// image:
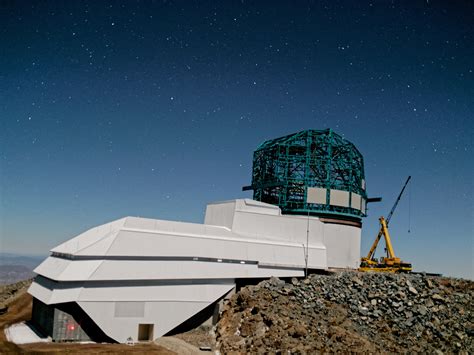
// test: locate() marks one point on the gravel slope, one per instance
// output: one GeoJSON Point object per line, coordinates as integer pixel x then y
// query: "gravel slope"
{"type": "Point", "coordinates": [350, 312]}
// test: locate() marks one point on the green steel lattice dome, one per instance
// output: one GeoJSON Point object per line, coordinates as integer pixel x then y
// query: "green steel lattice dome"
{"type": "Point", "coordinates": [315, 172]}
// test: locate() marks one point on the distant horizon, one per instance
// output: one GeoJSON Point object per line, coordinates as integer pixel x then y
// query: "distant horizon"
{"type": "Point", "coordinates": [14, 253]}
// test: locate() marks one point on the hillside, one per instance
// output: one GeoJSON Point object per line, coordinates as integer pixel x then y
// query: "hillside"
{"type": "Point", "coordinates": [350, 312]}
{"type": "Point", "coordinates": [14, 267]}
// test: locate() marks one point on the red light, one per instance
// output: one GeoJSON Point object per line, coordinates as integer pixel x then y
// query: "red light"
{"type": "Point", "coordinates": [71, 327]}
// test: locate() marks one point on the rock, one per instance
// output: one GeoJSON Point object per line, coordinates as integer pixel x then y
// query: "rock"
{"type": "Point", "coordinates": [300, 331]}
{"type": "Point", "coordinates": [402, 295]}
{"type": "Point", "coordinates": [372, 295]}
{"type": "Point", "coordinates": [239, 343]}
{"type": "Point", "coordinates": [422, 310]}
{"type": "Point", "coordinates": [357, 281]}
{"type": "Point", "coordinates": [350, 312]}
{"type": "Point", "coordinates": [260, 329]}
{"type": "Point", "coordinates": [3, 308]}
{"type": "Point", "coordinates": [429, 303]}
{"type": "Point", "coordinates": [275, 281]}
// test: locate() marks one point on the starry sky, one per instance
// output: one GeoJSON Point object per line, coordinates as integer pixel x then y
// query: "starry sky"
{"type": "Point", "coordinates": [154, 108]}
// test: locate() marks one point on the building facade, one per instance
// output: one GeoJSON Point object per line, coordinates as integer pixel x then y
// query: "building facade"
{"type": "Point", "coordinates": [137, 278]}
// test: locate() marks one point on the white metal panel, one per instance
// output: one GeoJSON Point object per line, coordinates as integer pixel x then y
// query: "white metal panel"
{"type": "Point", "coordinates": [278, 228]}
{"type": "Point", "coordinates": [129, 309]}
{"type": "Point", "coordinates": [339, 198]}
{"type": "Point", "coordinates": [363, 205]}
{"type": "Point", "coordinates": [129, 242]}
{"type": "Point", "coordinates": [151, 244]}
{"type": "Point", "coordinates": [173, 227]}
{"type": "Point", "coordinates": [220, 214]}
{"type": "Point", "coordinates": [165, 315]}
{"type": "Point", "coordinates": [88, 237]}
{"type": "Point", "coordinates": [184, 292]}
{"type": "Point", "coordinates": [253, 206]}
{"type": "Point", "coordinates": [52, 267]}
{"type": "Point", "coordinates": [169, 270]}
{"type": "Point", "coordinates": [140, 223]}
{"type": "Point", "coordinates": [67, 270]}
{"type": "Point", "coordinates": [188, 269]}
{"type": "Point", "coordinates": [356, 201]}
{"type": "Point", "coordinates": [40, 292]}
{"type": "Point", "coordinates": [60, 294]}
{"type": "Point", "coordinates": [100, 247]}
{"type": "Point", "coordinates": [218, 231]}
{"type": "Point", "coordinates": [343, 245]}
{"type": "Point", "coordinates": [316, 195]}
{"type": "Point", "coordinates": [79, 270]}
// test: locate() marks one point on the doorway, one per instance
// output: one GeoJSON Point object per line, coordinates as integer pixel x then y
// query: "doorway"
{"type": "Point", "coordinates": [145, 332]}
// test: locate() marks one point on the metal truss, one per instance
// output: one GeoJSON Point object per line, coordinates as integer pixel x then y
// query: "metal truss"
{"type": "Point", "coordinates": [284, 167]}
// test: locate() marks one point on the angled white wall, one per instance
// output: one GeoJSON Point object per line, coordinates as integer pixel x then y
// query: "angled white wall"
{"type": "Point", "coordinates": [146, 271]}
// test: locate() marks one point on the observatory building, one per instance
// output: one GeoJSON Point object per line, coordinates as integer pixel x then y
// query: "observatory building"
{"type": "Point", "coordinates": [143, 278]}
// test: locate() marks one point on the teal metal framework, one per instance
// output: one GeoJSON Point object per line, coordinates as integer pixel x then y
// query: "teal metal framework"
{"type": "Point", "coordinates": [283, 169]}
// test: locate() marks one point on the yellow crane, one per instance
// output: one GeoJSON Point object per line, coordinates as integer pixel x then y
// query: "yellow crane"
{"type": "Point", "coordinates": [390, 263]}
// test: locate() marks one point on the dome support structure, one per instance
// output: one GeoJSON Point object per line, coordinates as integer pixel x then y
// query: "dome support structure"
{"type": "Point", "coordinates": [314, 172]}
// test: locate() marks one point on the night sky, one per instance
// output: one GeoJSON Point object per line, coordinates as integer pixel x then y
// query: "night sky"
{"type": "Point", "coordinates": [153, 109]}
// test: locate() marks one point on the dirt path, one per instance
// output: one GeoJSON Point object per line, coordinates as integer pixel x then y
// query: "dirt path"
{"type": "Point", "coordinates": [179, 346]}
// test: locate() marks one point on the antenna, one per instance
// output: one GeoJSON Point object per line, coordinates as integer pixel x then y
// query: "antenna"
{"type": "Point", "coordinates": [409, 209]}
{"type": "Point", "coordinates": [307, 248]}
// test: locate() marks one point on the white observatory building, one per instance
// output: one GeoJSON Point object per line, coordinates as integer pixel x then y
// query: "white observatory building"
{"type": "Point", "coordinates": [143, 278]}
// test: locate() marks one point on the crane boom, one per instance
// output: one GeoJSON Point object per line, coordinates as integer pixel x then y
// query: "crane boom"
{"type": "Point", "coordinates": [387, 220]}
{"type": "Point", "coordinates": [390, 263]}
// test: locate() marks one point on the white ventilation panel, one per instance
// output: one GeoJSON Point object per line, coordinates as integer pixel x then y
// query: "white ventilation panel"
{"type": "Point", "coordinates": [316, 195]}
{"type": "Point", "coordinates": [339, 198]}
{"type": "Point", "coordinates": [356, 201]}
{"type": "Point", "coordinates": [129, 309]}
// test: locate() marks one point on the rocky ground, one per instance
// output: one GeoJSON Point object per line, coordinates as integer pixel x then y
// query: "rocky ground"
{"type": "Point", "coordinates": [350, 312]}
{"type": "Point", "coordinates": [344, 312]}
{"type": "Point", "coordinates": [10, 274]}
{"type": "Point", "coordinates": [10, 290]}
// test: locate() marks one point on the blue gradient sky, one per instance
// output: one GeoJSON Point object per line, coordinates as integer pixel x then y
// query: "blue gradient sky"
{"type": "Point", "coordinates": [153, 109]}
